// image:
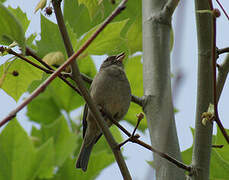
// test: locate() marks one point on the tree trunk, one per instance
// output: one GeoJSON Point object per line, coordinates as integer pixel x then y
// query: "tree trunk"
{"type": "Point", "coordinates": [157, 86]}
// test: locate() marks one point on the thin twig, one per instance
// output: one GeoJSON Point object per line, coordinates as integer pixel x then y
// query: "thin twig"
{"type": "Point", "coordinates": [223, 70]}
{"type": "Point", "coordinates": [10, 51]}
{"type": "Point", "coordinates": [137, 100]}
{"type": "Point", "coordinates": [218, 146]}
{"type": "Point", "coordinates": [30, 52]}
{"type": "Point", "coordinates": [147, 146]}
{"type": "Point", "coordinates": [217, 119]}
{"type": "Point", "coordinates": [140, 117]}
{"type": "Point", "coordinates": [222, 9]}
{"type": "Point", "coordinates": [223, 50]}
{"type": "Point", "coordinates": [50, 70]}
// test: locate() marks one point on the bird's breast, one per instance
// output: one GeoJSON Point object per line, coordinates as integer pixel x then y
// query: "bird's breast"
{"type": "Point", "coordinates": [111, 90]}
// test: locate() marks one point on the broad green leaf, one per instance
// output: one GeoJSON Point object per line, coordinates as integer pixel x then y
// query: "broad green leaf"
{"type": "Point", "coordinates": [19, 75]}
{"type": "Point", "coordinates": [51, 39]}
{"type": "Point", "coordinates": [187, 155]}
{"type": "Point", "coordinates": [220, 140]}
{"type": "Point", "coordinates": [64, 96]}
{"type": "Point", "coordinates": [57, 96]}
{"type": "Point", "coordinates": [87, 66]}
{"type": "Point", "coordinates": [134, 36]}
{"type": "Point", "coordinates": [44, 167]}
{"type": "Point", "coordinates": [21, 16]}
{"type": "Point", "coordinates": [64, 140]}
{"type": "Point", "coordinates": [95, 166]}
{"type": "Point", "coordinates": [72, 36]}
{"type": "Point", "coordinates": [17, 154]}
{"type": "Point", "coordinates": [108, 41]}
{"type": "Point", "coordinates": [94, 6]}
{"type": "Point", "coordinates": [134, 71]}
{"type": "Point", "coordinates": [132, 12]}
{"type": "Point", "coordinates": [81, 21]}
{"type": "Point", "coordinates": [2, 1]}
{"type": "Point", "coordinates": [132, 67]}
{"type": "Point", "coordinates": [219, 168]}
{"type": "Point", "coordinates": [10, 29]}
{"type": "Point", "coordinates": [43, 109]}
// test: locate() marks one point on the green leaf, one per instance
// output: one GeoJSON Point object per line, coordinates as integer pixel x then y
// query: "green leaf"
{"type": "Point", "coordinates": [16, 153]}
{"type": "Point", "coordinates": [45, 159]}
{"type": "Point", "coordinates": [220, 140]}
{"type": "Point", "coordinates": [108, 41]}
{"type": "Point", "coordinates": [64, 96]}
{"type": "Point", "coordinates": [21, 160]}
{"type": "Point", "coordinates": [10, 29]}
{"type": "Point", "coordinates": [134, 36]}
{"type": "Point", "coordinates": [40, 107]}
{"type": "Point", "coordinates": [81, 21]}
{"type": "Point", "coordinates": [51, 40]}
{"type": "Point", "coordinates": [69, 172]}
{"type": "Point", "coordinates": [92, 5]}
{"type": "Point", "coordinates": [187, 155]}
{"type": "Point", "coordinates": [57, 96]}
{"type": "Point", "coordinates": [64, 140]}
{"type": "Point", "coordinates": [132, 12]}
{"type": "Point", "coordinates": [19, 75]}
{"type": "Point", "coordinates": [132, 67]}
{"type": "Point", "coordinates": [21, 16]}
{"type": "Point", "coordinates": [87, 66]}
{"type": "Point", "coordinates": [219, 168]}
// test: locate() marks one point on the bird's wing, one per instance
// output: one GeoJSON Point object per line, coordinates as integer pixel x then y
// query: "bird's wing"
{"type": "Point", "coordinates": [84, 121]}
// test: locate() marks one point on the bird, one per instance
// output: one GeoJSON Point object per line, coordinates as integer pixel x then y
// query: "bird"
{"type": "Point", "coordinates": [111, 92]}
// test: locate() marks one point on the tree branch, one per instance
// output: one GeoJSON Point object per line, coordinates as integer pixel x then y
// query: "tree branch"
{"type": "Point", "coordinates": [203, 134]}
{"type": "Point", "coordinates": [10, 51]}
{"type": "Point", "coordinates": [222, 76]}
{"type": "Point", "coordinates": [135, 139]}
{"type": "Point", "coordinates": [217, 118]}
{"type": "Point", "coordinates": [223, 50]}
{"type": "Point", "coordinates": [222, 9]}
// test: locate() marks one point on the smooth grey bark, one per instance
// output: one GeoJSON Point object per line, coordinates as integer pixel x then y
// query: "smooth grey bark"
{"type": "Point", "coordinates": [203, 134]}
{"type": "Point", "coordinates": [158, 106]}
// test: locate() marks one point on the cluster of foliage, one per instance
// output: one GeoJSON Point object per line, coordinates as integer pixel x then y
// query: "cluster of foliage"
{"type": "Point", "coordinates": [50, 151]}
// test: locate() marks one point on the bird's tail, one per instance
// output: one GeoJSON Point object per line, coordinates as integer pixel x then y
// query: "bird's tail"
{"type": "Point", "coordinates": [83, 157]}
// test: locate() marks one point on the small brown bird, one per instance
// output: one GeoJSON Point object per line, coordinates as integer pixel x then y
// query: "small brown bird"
{"type": "Point", "coordinates": [111, 92]}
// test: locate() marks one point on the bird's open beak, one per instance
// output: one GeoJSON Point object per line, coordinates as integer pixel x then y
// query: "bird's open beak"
{"type": "Point", "coordinates": [120, 57]}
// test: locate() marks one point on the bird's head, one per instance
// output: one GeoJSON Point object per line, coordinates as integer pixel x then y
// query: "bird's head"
{"type": "Point", "coordinates": [114, 60]}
